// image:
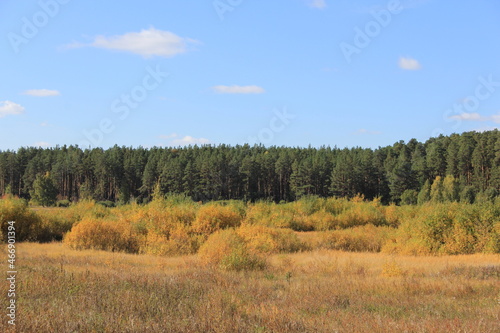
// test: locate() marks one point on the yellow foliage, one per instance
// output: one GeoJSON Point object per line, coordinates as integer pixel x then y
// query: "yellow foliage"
{"type": "Point", "coordinates": [323, 220]}
{"type": "Point", "coordinates": [367, 238]}
{"type": "Point", "coordinates": [225, 249]}
{"type": "Point", "coordinates": [103, 235]}
{"type": "Point", "coordinates": [261, 239]}
{"type": "Point", "coordinates": [180, 242]}
{"type": "Point", "coordinates": [27, 223]}
{"type": "Point", "coordinates": [211, 218]}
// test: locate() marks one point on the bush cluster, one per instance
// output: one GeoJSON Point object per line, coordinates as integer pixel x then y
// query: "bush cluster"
{"type": "Point", "coordinates": [178, 226]}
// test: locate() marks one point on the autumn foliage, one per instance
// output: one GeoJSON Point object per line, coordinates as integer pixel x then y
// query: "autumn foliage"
{"type": "Point", "coordinates": [237, 235]}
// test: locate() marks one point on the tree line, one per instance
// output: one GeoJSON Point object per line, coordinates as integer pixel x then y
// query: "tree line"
{"type": "Point", "coordinates": [459, 167]}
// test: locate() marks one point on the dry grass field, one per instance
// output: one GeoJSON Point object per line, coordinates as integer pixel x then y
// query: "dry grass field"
{"type": "Point", "coordinates": [63, 290]}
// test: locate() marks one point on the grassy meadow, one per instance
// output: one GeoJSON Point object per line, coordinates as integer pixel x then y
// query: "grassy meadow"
{"type": "Point", "coordinates": [64, 290]}
{"type": "Point", "coordinates": [314, 265]}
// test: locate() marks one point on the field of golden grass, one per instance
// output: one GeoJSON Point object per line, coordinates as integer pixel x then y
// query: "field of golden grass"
{"type": "Point", "coordinates": [63, 290]}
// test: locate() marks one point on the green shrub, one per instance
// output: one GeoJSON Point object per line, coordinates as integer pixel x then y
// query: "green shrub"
{"type": "Point", "coordinates": [107, 204]}
{"type": "Point", "coordinates": [63, 203]}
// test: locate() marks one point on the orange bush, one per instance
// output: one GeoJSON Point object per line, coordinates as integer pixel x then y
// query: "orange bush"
{"type": "Point", "coordinates": [265, 240]}
{"type": "Point", "coordinates": [225, 249]}
{"type": "Point", "coordinates": [211, 218]}
{"type": "Point", "coordinates": [367, 238]}
{"type": "Point", "coordinates": [98, 234]}
{"type": "Point", "coordinates": [179, 242]}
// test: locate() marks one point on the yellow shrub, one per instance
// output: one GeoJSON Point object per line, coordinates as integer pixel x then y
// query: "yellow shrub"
{"type": "Point", "coordinates": [336, 206]}
{"type": "Point", "coordinates": [27, 223]}
{"type": "Point", "coordinates": [360, 214]}
{"type": "Point", "coordinates": [164, 219]}
{"type": "Point", "coordinates": [367, 238]}
{"type": "Point", "coordinates": [392, 214]}
{"type": "Point", "coordinates": [265, 240]}
{"type": "Point", "coordinates": [225, 249]}
{"type": "Point", "coordinates": [103, 235]}
{"type": "Point", "coordinates": [211, 218]}
{"type": "Point", "coordinates": [323, 220]}
{"type": "Point", "coordinates": [259, 213]}
{"type": "Point", "coordinates": [180, 242]}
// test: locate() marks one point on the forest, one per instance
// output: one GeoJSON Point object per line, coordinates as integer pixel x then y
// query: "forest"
{"type": "Point", "coordinates": [460, 167]}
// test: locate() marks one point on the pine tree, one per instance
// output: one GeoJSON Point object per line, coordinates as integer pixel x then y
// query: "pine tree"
{"type": "Point", "coordinates": [44, 190]}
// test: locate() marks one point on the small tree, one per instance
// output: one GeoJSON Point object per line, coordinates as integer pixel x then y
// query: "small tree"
{"type": "Point", "coordinates": [409, 197]}
{"type": "Point", "coordinates": [468, 194]}
{"type": "Point", "coordinates": [451, 189]}
{"type": "Point", "coordinates": [425, 193]}
{"type": "Point", "coordinates": [44, 191]}
{"type": "Point", "coordinates": [437, 190]}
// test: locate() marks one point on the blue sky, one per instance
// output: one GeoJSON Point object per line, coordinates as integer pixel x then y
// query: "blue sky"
{"type": "Point", "coordinates": [284, 72]}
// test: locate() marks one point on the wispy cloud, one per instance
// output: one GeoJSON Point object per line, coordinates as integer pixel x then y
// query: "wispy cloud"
{"type": "Point", "coordinates": [362, 131]}
{"type": "Point", "coordinates": [474, 116]}
{"type": "Point", "coordinates": [41, 92]}
{"type": "Point", "coordinates": [487, 128]}
{"type": "Point", "coordinates": [238, 89]}
{"type": "Point", "coordinates": [10, 108]}
{"type": "Point", "coordinates": [320, 4]}
{"type": "Point", "coordinates": [174, 140]}
{"type": "Point", "coordinates": [189, 140]}
{"type": "Point", "coordinates": [42, 144]}
{"type": "Point", "coordinates": [409, 64]}
{"type": "Point", "coordinates": [147, 43]}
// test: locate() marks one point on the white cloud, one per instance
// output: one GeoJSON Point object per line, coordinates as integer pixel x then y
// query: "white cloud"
{"type": "Point", "coordinates": [173, 140]}
{"type": "Point", "coordinates": [238, 89]}
{"type": "Point", "coordinates": [486, 128]}
{"type": "Point", "coordinates": [409, 64]}
{"type": "Point", "coordinates": [474, 116]}
{"type": "Point", "coordinates": [189, 140]}
{"type": "Point", "coordinates": [42, 144]}
{"type": "Point", "coordinates": [365, 131]}
{"type": "Point", "coordinates": [41, 92]}
{"type": "Point", "coordinates": [147, 43]}
{"type": "Point", "coordinates": [10, 108]}
{"type": "Point", "coordinates": [320, 4]}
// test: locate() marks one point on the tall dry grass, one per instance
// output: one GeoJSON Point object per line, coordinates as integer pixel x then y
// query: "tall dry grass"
{"type": "Point", "coordinates": [63, 290]}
